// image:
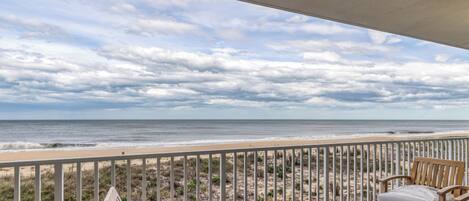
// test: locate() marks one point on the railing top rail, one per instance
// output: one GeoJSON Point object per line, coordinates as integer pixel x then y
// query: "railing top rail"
{"type": "Point", "coordinates": [69, 160]}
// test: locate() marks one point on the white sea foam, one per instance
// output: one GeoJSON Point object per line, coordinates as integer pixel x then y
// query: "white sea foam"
{"type": "Point", "coordinates": [24, 146]}
{"type": "Point", "coordinates": [20, 146]}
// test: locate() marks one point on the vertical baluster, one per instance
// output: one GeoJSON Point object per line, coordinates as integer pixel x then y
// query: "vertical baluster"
{"type": "Point", "coordinates": [275, 175]}
{"type": "Point", "coordinates": [301, 174]}
{"type": "Point", "coordinates": [171, 179]}
{"type": "Point", "coordinates": [37, 182]}
{"type": "Point", "coordinates": [398, 161]}
{"type": "Point", "coordinates": [96, 181]}
{"type": "Point", "coordinates": [393, 160]}
{"type": "Point", "coordinates": [453, 150]}
{"type": "Point", "coordinates": [209, 177]}
{"type": "Point", "coordinates": [144, 179]}
{"type": "Point", "coordinates": [341, 174]}
{"type": "Point", "coordinates": [368, 172]}
{"type": "Point", "coordinates": [255, 175]}
{"type": "Point", "coordinates": [334, 178]}
{"type": "Point", "coordinates": [424, 149]}
{"type": "Point", "coordinates": [348, 173]}
{"type": "Point", "coordinates": [440, 149]}
{"type": "Point", "coordinates": [362, 185]}
{"type": "Point", "coordinates": [466, 159]}
{"type": "Point", "coordinates": [408, 158]}
{"type": "Point", "coordinates": [293, 183]}
{"type": "Point", "coordinates": [129, 180]}
{"type": "Point", "coordinates": [197, 178]}
{"type": "Point", "coordinates": [284, 181]}
{"type": "Point", "coordinates": [386, 154]}
{"type": "Point", "coordinates": [17, 187]}
{"type": "Point", "coordinates": [265, 176]}
{"type": "Point", "coordinates": [380, 161]}
{"type": "Point", "coordinates": [374, 171]}
{"type": "Point", "coordinates": [235, 175]}
{"type": "Point", "coordinates": [447, 152]}
{"type": "Point", "coordinates": [184, 176]}
{"type": "Point", "coordinates": [355, 173]}
{"type": "Point", "coordinates": [326, 173]}
{"type": "Point", "coordinates": [79, 181]}
{"type": "Point", "coordinates": [58, 182]}
{"type": "Point", "coordinates": [310, 177]}
{"type": "Point", "coordinates": [245, 175]}
{"type": "Point", "coordinates": [113, 173]}
{"type": "Point", "coordinates": [318, 154]}
{"type": "Point", "coordinates": [222, 176]}
{"type": "Point", "coordinates": [434, 149]}
{"type": "Point", "coordinates": [158, 179]}
{"type": "Point", "coordinates": [418, 149]}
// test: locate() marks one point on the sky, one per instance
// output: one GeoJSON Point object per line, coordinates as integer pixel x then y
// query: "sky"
{"type": "Point", "coordinates": [215, 59]}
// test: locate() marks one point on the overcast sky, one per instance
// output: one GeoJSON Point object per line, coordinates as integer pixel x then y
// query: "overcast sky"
{"type": "Point", "coordinates": [74, 59]}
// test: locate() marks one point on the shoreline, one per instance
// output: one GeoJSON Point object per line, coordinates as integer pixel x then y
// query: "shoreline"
{"type": "Point", "coordinates": [36, 155]}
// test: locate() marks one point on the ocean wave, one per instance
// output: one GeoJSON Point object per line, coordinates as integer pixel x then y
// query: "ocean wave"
{"type": "Point", "coordinates": [34, 145]}
{"type": "Point", "coordinates": [24, 146]}
{"type": "Point", "coordinates": [20, 146]}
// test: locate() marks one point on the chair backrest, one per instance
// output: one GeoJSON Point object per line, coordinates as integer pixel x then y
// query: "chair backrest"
{"type": "Point", "coordinates": [437, 173]}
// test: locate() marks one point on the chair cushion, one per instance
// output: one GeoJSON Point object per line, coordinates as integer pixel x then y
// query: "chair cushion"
{"type": "Point", "coordinates": [411, 193]}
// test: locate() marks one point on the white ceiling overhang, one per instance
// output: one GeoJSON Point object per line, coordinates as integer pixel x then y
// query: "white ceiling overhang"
{"type": "Point", "coordinates": [440, 21]}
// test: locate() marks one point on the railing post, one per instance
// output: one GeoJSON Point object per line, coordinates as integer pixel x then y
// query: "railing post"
{"type": "Point", "coordinates": [37, 182]}
{"type": "Point", "coordinates": [17, 188]}
{"type": "Point", "coordinates": [58, 182]}
{"type": "Point", "coordinates": [326, 173]}
{"type": "Point", "coordinates": [222, 177]}
{"type": "Point", "coordinates": [113, 173]}
{"type": "Point", "coordinates": [96, 181]}
{"type": "Point", "coordinates": [78, 182]}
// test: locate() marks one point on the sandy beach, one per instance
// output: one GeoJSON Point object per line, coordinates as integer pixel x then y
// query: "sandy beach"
{"type": "Point", "coordinates": [91, 153]}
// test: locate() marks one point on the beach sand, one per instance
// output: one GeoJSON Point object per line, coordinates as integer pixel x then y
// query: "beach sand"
{"type": "Point", "coordinates": [107, 152]}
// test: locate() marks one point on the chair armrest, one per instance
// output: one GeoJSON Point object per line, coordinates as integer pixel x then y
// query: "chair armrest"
{"type": "Point", "coordinates": [383, 183]}
{"type": "Point", "coordinates": [442, 192]}
{"type": "Point", "coordinates": [464, 197]}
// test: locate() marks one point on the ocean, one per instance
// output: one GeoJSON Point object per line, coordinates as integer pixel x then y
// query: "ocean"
{"type": "Point", "coordinates": [91, 134]}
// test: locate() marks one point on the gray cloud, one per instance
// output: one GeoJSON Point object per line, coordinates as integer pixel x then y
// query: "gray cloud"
{"type": "Point", "coordinates": [31, 28]}
{"type": "Point", "coordinates": [156, 77]}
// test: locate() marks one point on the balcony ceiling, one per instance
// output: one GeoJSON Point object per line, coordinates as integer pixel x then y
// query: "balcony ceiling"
{"type": "Point", "coordinates": [440, 21]}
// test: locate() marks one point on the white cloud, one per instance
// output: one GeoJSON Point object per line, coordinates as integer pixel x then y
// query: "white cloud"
{"type": "Point", "coordinates": [346, 47]}
{"type": "Point", "coordinates": [32, 28]}
{"type": "Point", "coordinates": [207, 54]}
{"type": "Point", "coordinates": [321, 56]}
{"type": "Point", "coordinates": [442, 57]}
{"type": "Point", "coordinates": [151, 27]}
{"type": "Point", "coordinates": [124, 8]}
{"type": "Point", "coordinates": [378, 37]}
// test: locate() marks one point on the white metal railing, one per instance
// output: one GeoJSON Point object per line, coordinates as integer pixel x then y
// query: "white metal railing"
{"type": "Point", "coordinates": [347, 171]}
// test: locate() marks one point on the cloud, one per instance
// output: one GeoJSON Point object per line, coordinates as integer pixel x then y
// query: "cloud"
{"type": "Point", "coordinates": [378, 37]}
{"type": "Point", "coordinates": [346, 47]}
{"type": "Point", "coordinates": [32, 28]}
{"type": "Point", "coordinates": [214, 54]}
{"type": "Point", "coordinates": [151, 27]}
{"type": "Point", "coordinates": [124, 8]}
{"type": "Point", "coordinates": [442, 58]}
{"type": "Point", "coordinates": [321, 56]}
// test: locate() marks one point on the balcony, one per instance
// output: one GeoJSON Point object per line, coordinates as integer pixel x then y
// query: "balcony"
{"type": "Point", "coordinates": [311, 170]}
